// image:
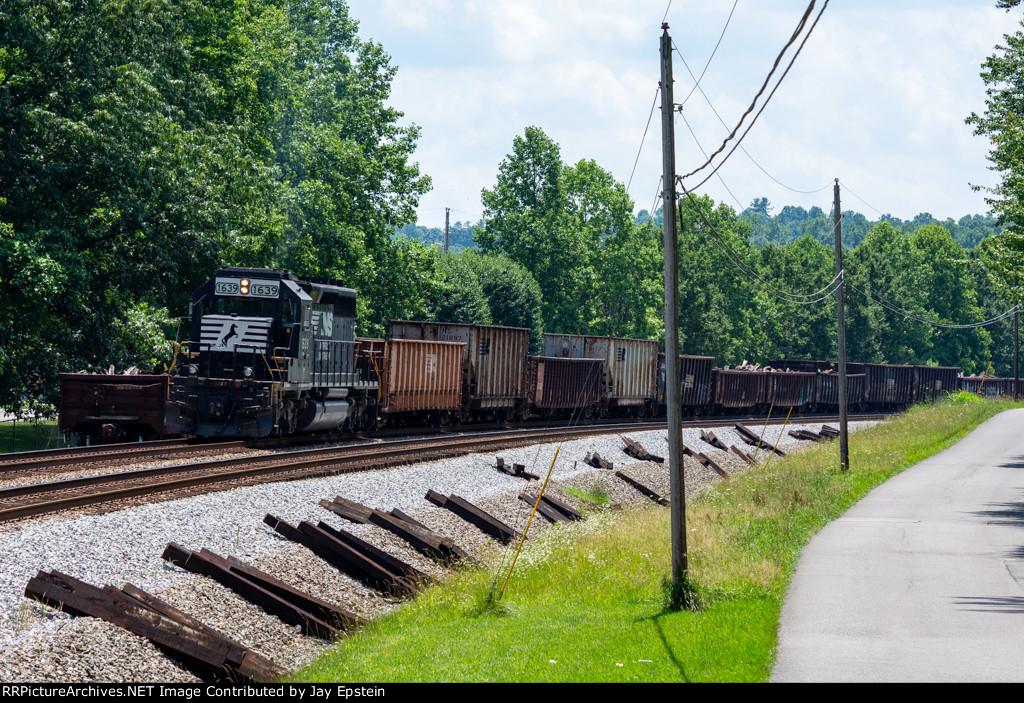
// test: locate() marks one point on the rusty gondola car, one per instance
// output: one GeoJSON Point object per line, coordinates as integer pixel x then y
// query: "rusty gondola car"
{"type": "Point", "coordinates": [103, 408]}
{"type": "Point", "coordinates": [736, 389]}
{"type": "Point", "coordinates": [494, 365]}
{"type": "Point", "coordinates": [560, 387]}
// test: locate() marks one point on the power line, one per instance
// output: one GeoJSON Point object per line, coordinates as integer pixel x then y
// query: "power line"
{"type": "Point", "coordinates": [743, 148]}
{"type": "Point", "coordinates": [778, 59]}
{"type": "Point", "coordinates": [642, 139]}
{"type": "Point", "coordinates": [846, 187]}
{"type": "Point", "coordinates": [800, 299]}
{"type": "Point", "coordinates": [768, 99]}
{"type": "Point", "coordinates": [696, 81]}
{"type": "Point", "coordinates": [933, 323]}
{"type": "Point", "coordinates": [697, 142]}
{"type": "Point", "coordinates": [722, 180]}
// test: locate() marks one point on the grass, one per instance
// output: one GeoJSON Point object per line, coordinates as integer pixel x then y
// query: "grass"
{"type": "Point", "coordinates": [590, 602]}
{"type": "Point", "coordinates": [29, 435]}
{"type": "Point", "coordinates": [596, 497]}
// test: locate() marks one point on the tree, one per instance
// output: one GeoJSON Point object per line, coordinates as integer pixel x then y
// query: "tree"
{"type": "Point", "coordinates": [144, 144]}
{"type": "Point", "coordinates": [1003, 123]}
{"type": "Point", "coordinates": [552, 218]}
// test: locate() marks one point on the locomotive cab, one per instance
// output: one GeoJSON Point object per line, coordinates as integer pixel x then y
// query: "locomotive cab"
{"type": "Point", "coordinates": [269, 353]}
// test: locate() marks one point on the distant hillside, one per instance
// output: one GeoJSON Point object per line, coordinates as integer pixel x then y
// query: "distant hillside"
{"type": "Point", "coordinates": [461, 235]}
{"type": "Point", "coordinates": [793, 222]}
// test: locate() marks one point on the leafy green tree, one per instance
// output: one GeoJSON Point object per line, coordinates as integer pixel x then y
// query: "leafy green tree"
{"type": "Point", "coordinates": [142, 145]}
{"type": "Point", "coordinates": [456, 294]}
{"type": "Point", "coordinates": [798, 331]}
{"type": "Point", "coordinates": [1003, 124]}
{"type": "Point", "coordinates": [552, 218]}
{"type": "Point", "coordinates": [513, 295]}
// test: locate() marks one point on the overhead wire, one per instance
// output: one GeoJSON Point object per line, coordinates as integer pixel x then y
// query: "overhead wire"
{"type": "Point", "coordinates": [933, 323]}
{"type": "Point", "coordinates": [643, 138]}
{"type": "Point", "coordinates": [719, 175]}
{"type": "Point", "coordinates": [767, 100]}
{"type": "Point", "coordinates": [843, 184]}
{"type": "Point", "coordinates": [743, 148]}
{"type": "Point", "coordinates": [800, 299]}
{"type": "Point", "coordinates": [696, 81]}
{"type": "Point", "coordinates": [778, 59]}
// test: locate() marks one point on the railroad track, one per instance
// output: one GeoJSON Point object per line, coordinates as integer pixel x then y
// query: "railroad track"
{"type": "Point", "coordinates": [180, 480]}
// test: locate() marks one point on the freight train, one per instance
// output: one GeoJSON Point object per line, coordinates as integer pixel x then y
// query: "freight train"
{"type": "Point", "coordinates": [270, 353]}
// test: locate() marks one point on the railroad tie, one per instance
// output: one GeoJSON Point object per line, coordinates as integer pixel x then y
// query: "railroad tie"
{"type": "Point", "coordinates": [474, 515]}
{"type": "Point", "coordinates": [711, 439]}
{"type": "Point", "coordinates": [594, 459]}
{"type": "Point", "coordinates": [561, 508]}
{"type": "Point", "coordinates": [748, 436]}
{"type": "Point", "coordinates": [209, 653]}
{"type": "Point", "coordinates": [420, 538]}
{"type": "Point", "coordinates": [342, 556]}
{"type": "Point", "coordinates": [741, 454]}
{"type": "Point", "coordinates": [637, 451]}
{"type": "Point", "coordinates": [251, 589]}
{"type": "Point", "coordinates": [656, 497]}
{"type": "Point", "coordinates": [543, 508]}
{"type": "Point", "coordinates": [348, 509]}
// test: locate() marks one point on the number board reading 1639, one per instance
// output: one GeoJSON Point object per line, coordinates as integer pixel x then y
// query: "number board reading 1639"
{"type": "Point", "coordinates": [254, 288]}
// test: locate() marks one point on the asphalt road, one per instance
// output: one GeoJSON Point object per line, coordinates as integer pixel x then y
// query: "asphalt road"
{"type": "Point", "coordinates": [923, 579]}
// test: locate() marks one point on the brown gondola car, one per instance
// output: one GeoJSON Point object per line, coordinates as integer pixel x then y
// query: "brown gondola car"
{"type": "Point", "coordinates": [421, 381]}
{"type": "Point", "coordinates": [494, 364]}
{"type": "Point", "coordinates": [630, 367]}
{"type": "Point", "coordinates": [740, 389]}
{"type": "Point", "coordinates": [104, 408]}
{"type": "Point", "coordinates": [564, 387]}
{"type": "Point", "coordinates": [791, 389]}
{"type": "Point", "coordinates": [889, 385]}
{"type": "Point", "coordinates": [934, 382]}
{"type": "Point", "coordinates": [826, 394]}
{"type": "Point", "coordinates": [694, 383]}
{"type": "Point", "coordinates": [987, 386]}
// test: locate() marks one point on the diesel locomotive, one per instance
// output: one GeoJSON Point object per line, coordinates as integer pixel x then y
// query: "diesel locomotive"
{"type": "Point", "coordinates": [269, 353]}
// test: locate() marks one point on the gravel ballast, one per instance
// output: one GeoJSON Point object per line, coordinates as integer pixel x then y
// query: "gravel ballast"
{"type": "Point", "coordinates": [40, 644]}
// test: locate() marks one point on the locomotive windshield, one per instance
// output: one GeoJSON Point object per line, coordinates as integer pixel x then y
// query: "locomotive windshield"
{"type": "Point", "coordinates": [250, 307]}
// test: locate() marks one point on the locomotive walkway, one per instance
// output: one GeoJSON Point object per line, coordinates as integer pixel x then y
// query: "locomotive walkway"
{"type": "Point", "coordinates": [923, 579]}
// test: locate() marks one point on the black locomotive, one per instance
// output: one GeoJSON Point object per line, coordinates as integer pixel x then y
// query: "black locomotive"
{"type": "Point", "coordinates": [269, 353]}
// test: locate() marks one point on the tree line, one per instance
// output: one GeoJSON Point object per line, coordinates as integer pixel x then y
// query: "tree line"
{"type": "Point", "coordinates": [143, 145]}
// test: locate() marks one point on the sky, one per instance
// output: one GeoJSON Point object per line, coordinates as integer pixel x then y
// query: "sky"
{"type": "Point", "coordinates": [877, 98]}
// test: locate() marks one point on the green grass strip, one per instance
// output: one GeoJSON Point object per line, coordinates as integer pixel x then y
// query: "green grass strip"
{"type": "Point", "coordinates": [588, 601]}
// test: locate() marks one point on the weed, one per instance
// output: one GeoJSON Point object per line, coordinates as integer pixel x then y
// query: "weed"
{"type": "Point", "coordinates": [684, 595]}
{"type": "Point", "coordinates": [487, 601]}
{"type": "Point", "coordinates": [596, 496]}
{"type": "Point", "coordinates": [22, 616]}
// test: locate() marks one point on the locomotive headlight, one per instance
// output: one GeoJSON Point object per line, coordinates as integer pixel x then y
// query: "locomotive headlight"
{"type": "Point", "coordinates": [244, 286]}
{"type": "Point", "coordinates": [193, 369]}
{"type": "Point", "coordinates": [247, 371]}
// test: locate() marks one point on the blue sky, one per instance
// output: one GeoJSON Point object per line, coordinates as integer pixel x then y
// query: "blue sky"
{"type": "Point", "coordinates": [877, 98]}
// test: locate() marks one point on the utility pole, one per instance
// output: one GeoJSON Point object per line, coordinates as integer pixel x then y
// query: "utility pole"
{"type": "Point", "coordinates": [844, 446]}
{"type": "Point", "coordinates": [1016, 352]}
{"type": "Point", "coordinates": [673, 399]}
{"type": "Point", "coordinates": [447, 237]}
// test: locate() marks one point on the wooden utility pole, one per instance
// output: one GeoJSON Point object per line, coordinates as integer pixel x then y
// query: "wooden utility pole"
{"type": "Point", "coordinates": [673, 399]}
{"type": "Point", "coordinates": [447, 237]}
{"type": "Point", "coordinates": [844, 447]}
{"type": "Point", "coordinates": [1016, 352]}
